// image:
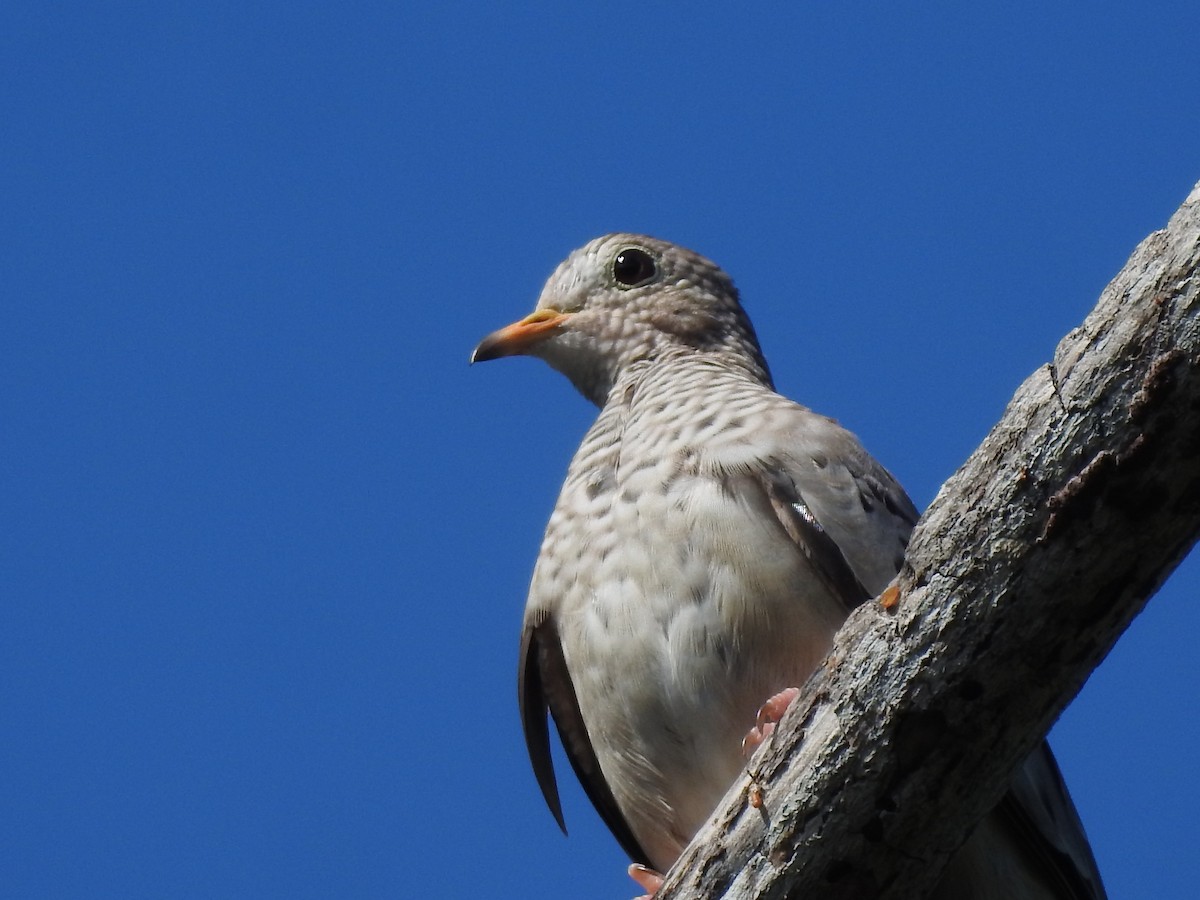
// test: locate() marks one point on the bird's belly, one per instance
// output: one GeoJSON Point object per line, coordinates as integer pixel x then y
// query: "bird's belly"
{"type": "Point", "coordinates": [673, 643]}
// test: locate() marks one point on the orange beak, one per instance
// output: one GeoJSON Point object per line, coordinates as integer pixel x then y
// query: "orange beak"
{"type": "Point", "coordinates": [517, 338]}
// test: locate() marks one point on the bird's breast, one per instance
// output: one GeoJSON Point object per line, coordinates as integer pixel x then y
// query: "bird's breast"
{"type": "Point", "coordinates": [681, 610]}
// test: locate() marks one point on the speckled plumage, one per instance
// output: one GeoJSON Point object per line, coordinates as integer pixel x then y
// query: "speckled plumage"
{"type": "Point", "coordinates": [709, 539]}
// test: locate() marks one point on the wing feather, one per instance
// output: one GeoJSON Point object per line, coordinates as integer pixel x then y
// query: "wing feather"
{"type": "Point", "coordinates": [544, 684]}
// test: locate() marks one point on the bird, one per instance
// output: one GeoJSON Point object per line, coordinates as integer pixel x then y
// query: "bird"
{"type": "Point", "coordinates": [710, 537]}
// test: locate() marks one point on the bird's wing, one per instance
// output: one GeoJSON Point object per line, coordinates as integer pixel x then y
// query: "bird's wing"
{"type": "Point", "coordinates": [543, 683]}
{"type": "Point", "coordinates": [1039, 813]}
{"type": "Point", "coordinates": [825, 557]}
{"type": "Point", "coordinates": [849, 496]}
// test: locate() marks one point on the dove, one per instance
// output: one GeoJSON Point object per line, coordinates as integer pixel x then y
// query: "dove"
{"type": "Point", "coordinates": [709, 539]}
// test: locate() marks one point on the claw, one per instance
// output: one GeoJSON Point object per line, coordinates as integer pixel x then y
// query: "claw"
{"type": "Point", "coordinates": [768, 717]}
{"type": "Point", "coordinates": [648, 880]}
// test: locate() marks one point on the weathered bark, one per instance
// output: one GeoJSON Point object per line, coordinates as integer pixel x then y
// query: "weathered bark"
{"type": "Point", "coordinates": [1027, 567]}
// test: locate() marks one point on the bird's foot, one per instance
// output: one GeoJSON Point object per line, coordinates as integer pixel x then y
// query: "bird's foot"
{"type": "Point", "coordinates": [648, 880]}
{"type": "Point", "coordinates": [768, 717]}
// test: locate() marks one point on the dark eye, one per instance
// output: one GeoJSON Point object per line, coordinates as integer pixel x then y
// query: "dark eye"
{"type": "Point", "coordinates": [633, 267]}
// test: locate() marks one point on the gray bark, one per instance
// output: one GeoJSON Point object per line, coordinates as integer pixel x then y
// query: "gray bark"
{"type": "Point", "coordinates": [1028, 565]}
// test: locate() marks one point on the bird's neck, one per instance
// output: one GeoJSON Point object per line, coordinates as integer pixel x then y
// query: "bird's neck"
{"type": "Point", "coordinates": [683, 365]}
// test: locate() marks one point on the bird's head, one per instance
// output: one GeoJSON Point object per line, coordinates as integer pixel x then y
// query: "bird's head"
{"type": "Point", "coordinates": [624, 299]}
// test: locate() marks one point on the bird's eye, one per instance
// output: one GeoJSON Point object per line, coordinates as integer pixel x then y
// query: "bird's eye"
{"type": "Point", "coordinates": [633, 267]}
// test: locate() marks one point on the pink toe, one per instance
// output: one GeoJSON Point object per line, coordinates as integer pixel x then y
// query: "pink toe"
{"type": "Point", "coordinates": [768, 715]}
{"type": "Point", "coordinates": [772, 711]}
{"type": "Point", "coordinates": [648, 880]}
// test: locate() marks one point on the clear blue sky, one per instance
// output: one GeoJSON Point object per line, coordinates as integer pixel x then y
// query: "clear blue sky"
{"type": "Point", "coordinates": [267, 537]}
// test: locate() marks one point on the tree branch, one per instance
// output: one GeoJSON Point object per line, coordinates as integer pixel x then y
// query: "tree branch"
{"type": "Point", "coordinates": [1028, 565]}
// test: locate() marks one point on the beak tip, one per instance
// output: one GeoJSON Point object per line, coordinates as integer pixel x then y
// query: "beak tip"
{"type": "Point", "coordinates": [485, 351]}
